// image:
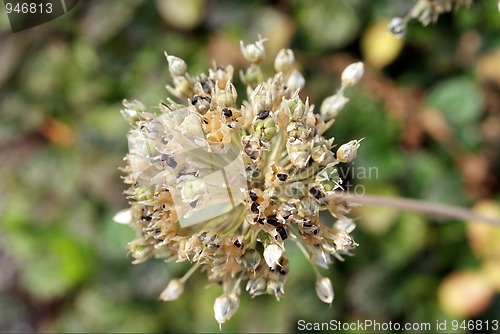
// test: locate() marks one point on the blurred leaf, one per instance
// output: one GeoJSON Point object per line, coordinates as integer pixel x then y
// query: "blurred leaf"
{"type": "Point", "coordinates": [460, 100]}
{"type": "Point", "coordinates": [328, 24]}
{"type": "Point", "coordinates": [407, 238]}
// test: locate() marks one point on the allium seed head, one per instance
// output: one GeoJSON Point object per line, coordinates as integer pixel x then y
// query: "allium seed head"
{"type": "Point", "coordinates": [227, 187]}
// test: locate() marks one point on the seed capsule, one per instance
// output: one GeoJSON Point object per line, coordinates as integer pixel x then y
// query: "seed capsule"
{"type": "Point", "coordinates": [324, 290]}
{"type": "Point", "coordinates": [352, 74]}
{"type": "Point", "coordinates": [284, 60]}
{"type": "Point", "coordinates": [225, 306]}
{"type": "Point", "coordinates": [174, 290]}
{"type": "Point", "coordinates": [397, 27]}
{"type": "Point", "coordinates": [347, 152]}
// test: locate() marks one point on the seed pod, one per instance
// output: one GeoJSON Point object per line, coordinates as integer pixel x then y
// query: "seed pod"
{"type": "Point", "coordinates": [174, 290]}
{"type": "Point", "coordinates": [397, 27]}
{"type": "Point", "coordinates": [225, 306]}
{"type": "Point", "coordinates": [272, 254]}
{"type": "Point", "coordinates": [284, 60]}
{"type": "Point", "coordinates": [176, 66]}
{"type": "Point", "coordinates": [352, 74]}
{"type": "Point", "coordinates": [332, 105]}
{"type": "Point", "coordinates": [254, 53]}
{"type": "Point", "coordinates": [324, 290]}
{"type": "Point", "coordinates": [347, 152]}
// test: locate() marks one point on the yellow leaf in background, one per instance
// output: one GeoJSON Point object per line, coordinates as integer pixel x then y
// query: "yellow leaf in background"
{"type": "Point", "coordinates": [491, 271]}
{"type": "Point", "coordinates": [465, 294]}
{"type": "Point", "coordinates": [186, 14]}
{"type": "Point", "coordinates": [484, 239]}
{"type": "Point", "coordinates": [378, 46]}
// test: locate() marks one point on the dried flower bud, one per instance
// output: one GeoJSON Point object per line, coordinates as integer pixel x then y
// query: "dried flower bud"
{"type": "Point", "coordinates": [254, 53]}
{"type": "Point", "coordinates": [352, 74]}
{"type": "Point", "coordinates": [176, 66]}
{"type": "Point", "coordinates": [397, 27]}
{"type": "Point", "coordinates": [284, 60]}
{"type": "Point", "coordinates": [174, 290]}
{"type": "Point", "coordinates": [225, 306]}
{"type": "Point", "coordinates": [347, 152]}
{"type": "Point", "coordinates": [272, 254]}
{"type": "Point", "coordinates": [332, 105]}
{"type": "Point", "coordinates": [257, 286]}
{"type": "Point", "coordinates": [275, 288]}
{"type": "Point", "coordinates": [324, 290]}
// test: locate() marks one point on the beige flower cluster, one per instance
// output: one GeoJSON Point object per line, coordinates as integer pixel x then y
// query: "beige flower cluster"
{"type": "Point", "coordinates": [229, 187]}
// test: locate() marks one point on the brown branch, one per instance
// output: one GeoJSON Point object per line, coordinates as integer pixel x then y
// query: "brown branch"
{"type": "Point", "coordinates": [422, 206]}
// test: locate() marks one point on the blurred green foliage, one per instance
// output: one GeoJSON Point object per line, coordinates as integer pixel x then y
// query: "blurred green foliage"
{"type": "Point", "coordinates": [64, 264]}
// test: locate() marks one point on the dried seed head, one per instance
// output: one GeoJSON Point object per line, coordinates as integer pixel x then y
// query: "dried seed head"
{"type": "Point", "coordinates": [352, 74]}
{"type": "Point", "coordinates": [222, 186]}
{"type": "Point", "coordinates": [324, 290]}
{"type": "Point", "coordinates": [174, 290]}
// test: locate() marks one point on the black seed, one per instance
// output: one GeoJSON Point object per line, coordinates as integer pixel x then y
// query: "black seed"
{"type": "Point", "coordinates": [263, 114]}
{"type": "Point", "coordinates": [168, 160]}
{"type": "Point", "coordinates": [207, 84]}
{"type": "Point", "coordinates": [272, 221]}
{"type": "Point", "coordinates": [316, 193]}
{"type": "Point", "coordinates": [193, 203]}
{"type": "Point", "coordinates": [205, 121]}
{"type": "Point", "coordinates": [195, 99]}
{"type": "Point", "coordinates": [282, 271]}
{"type": "Point", "coordinates": [158, 231]}
{"type": "Point", "coordinates": [206, 98]}
{"type": "Point", "coordinates": [253, 196]}
{"type": "Point", "coordinates": [227, 112]}
{"type": "Point", "coordinates": [164, 140]}
{"type": "Point", "coordinates": [203, 236]}
{"type": "Point", "coordinates": [282, 232]}
{"type": "Point", "coordinates": [237, 243]}
{"type": "Point", "coordinates": [282, 177]}
{"type": "Point", "coordinates": [315, 231]}
{"type": "Point", "coordinates": [260, 221]}
{"type": "Point", "coordinates": [255, 207]}
{"type": "Point", "coordinates": [220, 68]}
{"type": "Point", "coordinates": [146, 218]}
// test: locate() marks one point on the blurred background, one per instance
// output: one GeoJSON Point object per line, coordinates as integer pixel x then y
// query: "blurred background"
{"type": "Point", "coordinates": [428, 106]}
